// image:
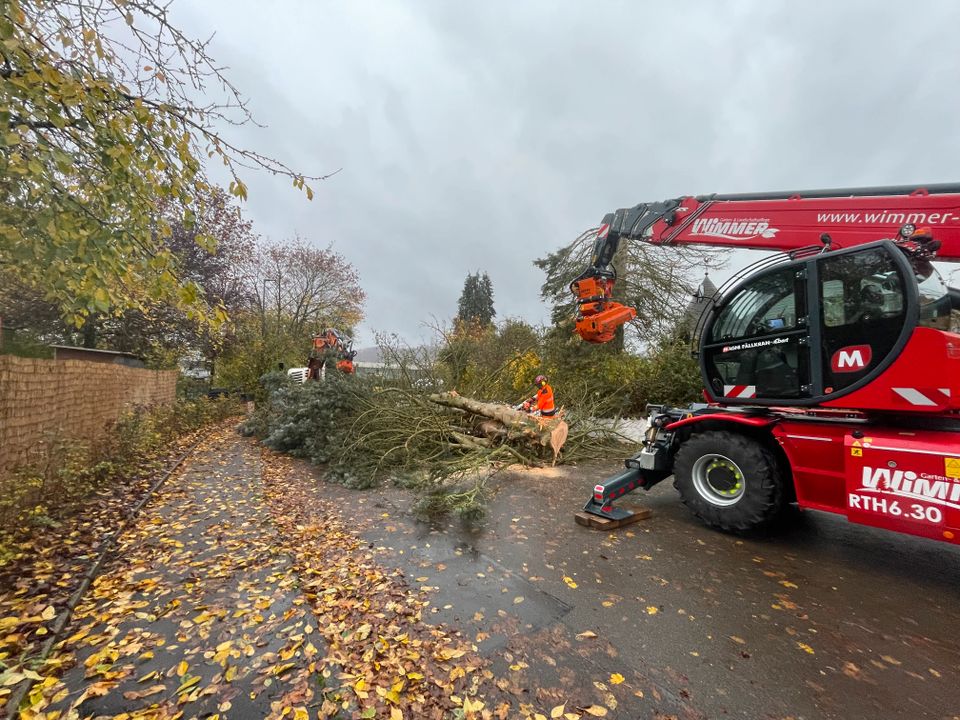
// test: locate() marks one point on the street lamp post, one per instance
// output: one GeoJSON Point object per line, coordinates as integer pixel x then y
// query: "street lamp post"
{"type": "Point", "coordinates": [263, 306]}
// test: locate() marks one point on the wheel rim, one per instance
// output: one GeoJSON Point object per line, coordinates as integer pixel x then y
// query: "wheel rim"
{"type": "Point", "coordinates": [718, 480]}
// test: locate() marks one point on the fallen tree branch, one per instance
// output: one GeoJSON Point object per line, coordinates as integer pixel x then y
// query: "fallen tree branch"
{"type": "Point", "coordinates": [518, 426]}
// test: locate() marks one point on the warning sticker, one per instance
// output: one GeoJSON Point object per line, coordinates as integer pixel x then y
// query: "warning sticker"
{"type": "Point", "coordinates": [856, 451]}
{"type": "Point", "coordinates": [951, 467]}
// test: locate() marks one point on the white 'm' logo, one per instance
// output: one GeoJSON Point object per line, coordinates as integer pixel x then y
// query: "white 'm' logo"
{"type": "Point", "coordinates": [850, 359]}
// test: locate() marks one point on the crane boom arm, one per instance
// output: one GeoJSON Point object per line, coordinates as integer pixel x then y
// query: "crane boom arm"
{"type": "Point", "coordinates": [782, 221]}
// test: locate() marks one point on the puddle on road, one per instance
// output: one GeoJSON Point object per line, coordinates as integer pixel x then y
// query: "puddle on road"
{"type": "Point", "coordinates": [465, 588]}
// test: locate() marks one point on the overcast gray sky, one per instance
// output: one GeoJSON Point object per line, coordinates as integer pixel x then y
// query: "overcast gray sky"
{"type": "Point", "coordinates": [480, 136]}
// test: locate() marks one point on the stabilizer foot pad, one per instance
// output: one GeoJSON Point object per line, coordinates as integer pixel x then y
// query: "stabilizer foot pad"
{"type": "Point", "coordinates": [601, 523]}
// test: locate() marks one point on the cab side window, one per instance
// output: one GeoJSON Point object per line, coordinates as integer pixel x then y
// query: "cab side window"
{"type": "Point", "coordinates": [767, 305]}
{"type": "Point", "coordinates": [862, 306]}
{"type": "Point", "coordinates": [755, 345]}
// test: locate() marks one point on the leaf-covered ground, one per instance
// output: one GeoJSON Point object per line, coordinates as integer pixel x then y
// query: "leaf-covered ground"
{"type": "Point", "coordinates": [196, 612]}
{"type": "Point", "coordinates": [239, 592]}
{"type": "Point", "coordinates": [44, 561]}
{"type": "Point", "coordinates": [251, 588]}
{"type": "Point", "coordinates": [822, 619]}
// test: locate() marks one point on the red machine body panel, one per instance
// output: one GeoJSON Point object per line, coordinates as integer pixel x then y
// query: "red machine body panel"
{"type": "Point", "coordinates": [925, 377]}
{"type": "Point", "coordinates": [754, 422]}
{"type": "Point", "coordinates": [815, 452]}
{"type": "Point", "coordinates": [904, 481]}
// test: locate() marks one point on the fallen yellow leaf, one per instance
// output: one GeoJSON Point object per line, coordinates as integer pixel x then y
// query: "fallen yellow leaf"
{"type": "Point", "coordinates": [616, 678]}
{"type": "Point", "coordinates": [188, 683]}
{"type": "Point", "coordinates": [11, 678]}
{"type": "Point", "coordinates": [472, 705]}
{"type": "Point", "coordinates": [139, 695]}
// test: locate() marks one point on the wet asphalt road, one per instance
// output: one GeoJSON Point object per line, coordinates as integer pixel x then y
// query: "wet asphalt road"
{"type": "Point", "coordinates": [822, 620]}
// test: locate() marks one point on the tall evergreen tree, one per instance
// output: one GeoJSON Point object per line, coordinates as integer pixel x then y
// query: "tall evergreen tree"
{"type": "Point", "coordinates": [476, 300]}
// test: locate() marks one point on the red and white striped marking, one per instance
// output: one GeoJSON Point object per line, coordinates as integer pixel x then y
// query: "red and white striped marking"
{"type": "Point", "coordinates": [923, 397]}
{"type": "Point", "coordinates": [740, 391]}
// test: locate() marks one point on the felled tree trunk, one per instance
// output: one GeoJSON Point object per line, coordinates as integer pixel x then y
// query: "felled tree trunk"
{"type": "Point", "coordinates": [508, 424]}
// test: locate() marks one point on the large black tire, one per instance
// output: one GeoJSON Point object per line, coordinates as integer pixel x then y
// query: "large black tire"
{"type": "Point", "coordinates": [730, 481]}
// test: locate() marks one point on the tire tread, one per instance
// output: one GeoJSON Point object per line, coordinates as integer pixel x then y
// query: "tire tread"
{"type": "Point", "coordinates": [764, 498]}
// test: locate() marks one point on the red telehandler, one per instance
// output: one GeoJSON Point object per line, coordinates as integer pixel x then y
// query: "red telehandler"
{"type": "Point", "coordinates": [831, 377]}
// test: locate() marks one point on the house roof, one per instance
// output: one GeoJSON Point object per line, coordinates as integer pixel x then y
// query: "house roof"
{"type": "Point", "coordinates": [115, 353]}
{"type": "Point", "coordinates": [707, 289]}
{"type": "Point", "coordinates": [369, 354]}
{"type": "Point", "coordinates": [705, 293]}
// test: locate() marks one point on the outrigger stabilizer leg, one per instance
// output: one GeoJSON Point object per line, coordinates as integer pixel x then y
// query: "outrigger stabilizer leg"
{"type": "Point", "coordinates": [604, 493]}
{"type": "Point", "coordinates": [599, 512]}
{"type": "Point", "coordinates": [644, 470]}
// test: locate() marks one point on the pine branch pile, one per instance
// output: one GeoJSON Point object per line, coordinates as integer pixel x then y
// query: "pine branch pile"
{"type": "Point", "coordinates": [441, 445]}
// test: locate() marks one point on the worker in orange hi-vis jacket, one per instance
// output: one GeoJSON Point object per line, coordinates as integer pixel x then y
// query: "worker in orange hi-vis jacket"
{"type": "Point", "coordinates": [542, 402]}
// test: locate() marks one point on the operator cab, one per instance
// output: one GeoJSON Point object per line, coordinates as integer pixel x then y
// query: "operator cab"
{"type": "Point", "coordinates": [819, 327]}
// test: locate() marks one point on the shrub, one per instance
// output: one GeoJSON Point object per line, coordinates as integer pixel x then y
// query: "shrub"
{"type": "Point", "coordinates": [491, 362]}
{"type": "Point", "coordinates": [668, 376]}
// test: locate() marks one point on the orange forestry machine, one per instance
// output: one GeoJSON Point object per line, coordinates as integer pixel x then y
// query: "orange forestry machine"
{"type": "Point", "coordinates": [327, 345]}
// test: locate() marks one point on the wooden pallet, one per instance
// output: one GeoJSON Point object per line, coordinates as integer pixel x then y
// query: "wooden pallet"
{"type": "Point", "coordinates": [601, 523]}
